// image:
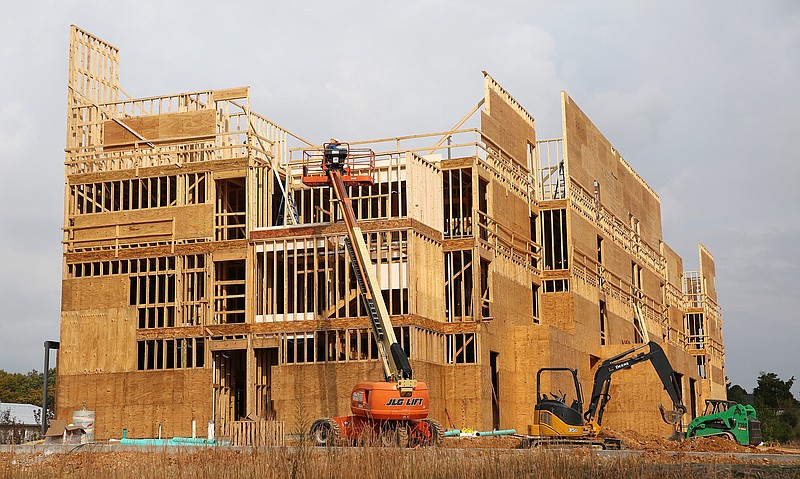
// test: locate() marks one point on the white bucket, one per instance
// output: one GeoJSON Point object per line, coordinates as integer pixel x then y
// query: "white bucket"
{"type": "Point", "coordinates": [85, 419]}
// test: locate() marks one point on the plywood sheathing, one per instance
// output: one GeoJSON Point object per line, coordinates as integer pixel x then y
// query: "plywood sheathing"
{"type": "Point", "coordinates": [174, 127]}
{"type": "Point", "coordinates": [506, 123]}
{"type": "Point", "coordinates": [138, 401]}
{"type": "Point", "coordinates": [96, 309]}
{"type": "Point", "coordinates": [591, 157]}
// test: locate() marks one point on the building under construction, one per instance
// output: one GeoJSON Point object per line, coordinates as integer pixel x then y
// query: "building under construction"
{"type": "Point", "coordinates": [202, 281]}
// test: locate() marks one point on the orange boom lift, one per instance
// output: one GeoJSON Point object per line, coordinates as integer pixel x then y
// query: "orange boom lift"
{"type": "Point", "coordinates": [394, 410]}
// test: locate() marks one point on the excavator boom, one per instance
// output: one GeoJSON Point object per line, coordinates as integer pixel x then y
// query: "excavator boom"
{"type": "Point", "coordinates": [656, 355]}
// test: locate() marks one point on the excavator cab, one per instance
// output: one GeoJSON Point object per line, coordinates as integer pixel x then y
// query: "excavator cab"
{"type": "Point", "coordinates": [559, 408]}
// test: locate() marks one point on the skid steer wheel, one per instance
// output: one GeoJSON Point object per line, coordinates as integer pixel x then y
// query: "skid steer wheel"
{"type": "Point", "coordinates": [325, 432]}
{"type": "Point", "coordinates": [436, 432]}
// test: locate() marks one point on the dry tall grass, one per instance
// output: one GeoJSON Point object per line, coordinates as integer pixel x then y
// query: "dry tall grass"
{"type": "Point", "coordinates": [366, 463]}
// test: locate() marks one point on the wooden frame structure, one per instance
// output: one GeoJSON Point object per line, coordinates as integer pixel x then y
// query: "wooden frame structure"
{"type": "Point", "coordinates": [204, 282]}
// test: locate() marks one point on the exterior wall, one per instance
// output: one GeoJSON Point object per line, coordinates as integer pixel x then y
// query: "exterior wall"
{"type": "Point", "coordinates": [190, 294]}
{"type": "Point", "coordinates": [612, 204]}
{"type": "Point", "coordinates": [139, 401]}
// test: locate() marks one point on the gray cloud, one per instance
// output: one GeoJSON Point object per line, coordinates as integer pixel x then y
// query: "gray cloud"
{"type": "Point", "coordinates": [704, 106]}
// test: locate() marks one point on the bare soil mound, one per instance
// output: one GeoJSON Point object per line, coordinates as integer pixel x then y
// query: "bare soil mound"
{"type": "Point", "coordinates": [641, 442]}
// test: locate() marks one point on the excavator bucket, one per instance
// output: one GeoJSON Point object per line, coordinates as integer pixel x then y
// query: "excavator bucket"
{"type": "Point", "coordinates": [673, 417]}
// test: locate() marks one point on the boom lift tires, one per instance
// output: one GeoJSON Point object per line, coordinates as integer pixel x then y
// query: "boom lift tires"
{"type": "Point", "coordinates": [325, 432]}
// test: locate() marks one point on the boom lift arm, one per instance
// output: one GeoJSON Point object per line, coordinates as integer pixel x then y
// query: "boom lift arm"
{"type": "Point", "coordinates": [602, 382]}
{"type": "Point", "coordinates": [394, 410]}
{"type": "Point", "coordinates": [395, 362]}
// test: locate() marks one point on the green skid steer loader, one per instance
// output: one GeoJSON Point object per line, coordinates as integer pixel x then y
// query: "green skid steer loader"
{"type": "Point", "coordinates": [727, 419]}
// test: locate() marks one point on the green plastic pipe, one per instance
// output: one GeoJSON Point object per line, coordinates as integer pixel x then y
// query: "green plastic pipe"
{"type": "Point", "coordinates": [175, 441]}
{"type": "Point", "coordinates": [499, 432]}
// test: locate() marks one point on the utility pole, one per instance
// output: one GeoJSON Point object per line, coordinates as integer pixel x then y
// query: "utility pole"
{"type": "Point", "coordinates": [48, 345]}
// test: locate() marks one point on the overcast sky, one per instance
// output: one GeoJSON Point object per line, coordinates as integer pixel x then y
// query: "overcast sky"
{"type": "Point", "coordinates": [701, 98]}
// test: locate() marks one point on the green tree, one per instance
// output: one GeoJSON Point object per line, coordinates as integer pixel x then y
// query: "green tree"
{"type": "Point", "coordinates": [26, 388]}
{"type": "Point", "coordinates": [774, 393]}
{"type": "Point", "coordinates": [777, 408]}
{"type": "Point", "coordinates": [737, 393]}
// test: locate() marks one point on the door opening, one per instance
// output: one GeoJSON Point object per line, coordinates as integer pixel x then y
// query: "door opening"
{"type": "Point", "coordinates": [495, 390]}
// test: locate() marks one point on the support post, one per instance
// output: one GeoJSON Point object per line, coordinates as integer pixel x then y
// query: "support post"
{"type": "Point", "coordinates": [48, 345]}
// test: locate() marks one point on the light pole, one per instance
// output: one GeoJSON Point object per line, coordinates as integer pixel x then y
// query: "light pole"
{"type": "Point", "coordinates": [48, 345]}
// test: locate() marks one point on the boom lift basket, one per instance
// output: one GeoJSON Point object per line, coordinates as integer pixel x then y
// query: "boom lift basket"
{"type": "Point", "coordinates": [357, 165]}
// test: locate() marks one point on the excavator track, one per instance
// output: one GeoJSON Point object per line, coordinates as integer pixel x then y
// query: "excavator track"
{"type": "Point", "coordinates": [556, 442]}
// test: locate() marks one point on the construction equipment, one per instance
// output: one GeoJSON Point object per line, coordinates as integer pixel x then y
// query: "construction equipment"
{"type": "Point", "coordinates": [557, 423]}
{"type": "Point", "coordinates": [394, 410]}
{"type": "Point", "coordinates": [728, 419]}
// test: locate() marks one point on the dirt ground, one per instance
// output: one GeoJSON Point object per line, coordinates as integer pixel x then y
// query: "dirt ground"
{"type": "Point", "coordinates": [631, 440]}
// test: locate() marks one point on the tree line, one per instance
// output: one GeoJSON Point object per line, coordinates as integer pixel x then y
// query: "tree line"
{"type": "Point", "coordinates": [776, 406]}
{"type": "Point", "coordinates": [26, 388]}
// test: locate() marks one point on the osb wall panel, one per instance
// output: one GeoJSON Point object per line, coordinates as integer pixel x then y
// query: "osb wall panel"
{"type": "Point", "coordinates": [426, 274]}
{"type": "Point", "coordinates": [536, 347]}
{"type": "Point", "coordinates": [716, 390]}
{"type": "Point", "coordinates": [99, 292]}
{"type": "Point", "coordinates": [200, 123]}
{"type": "Point", "coordinates": [590, 156]}
{"type": "Point", "coordinates": [433, 377]}
{"type": "Point", "coordinates": [713, 322]}
{"type": "Point", "coordinates": [195, 221]}
{"type": "Point", "coordinates": [466, 398]}
{"type": "Point", "coordinates": [708, 272]}
{"type": "Point", "coordinates": [506, 123]}
{"type": "Point", "coordinates": [676, 321]}
{"type": "Point", "coordinates": [583, 234]}
{"type": "Point", "coordinates": [305, 392]}
{"type": "Point", "coordinates": [511, 308]}
{"type": "Point", "coordinates": [512, 304]}
{"type": "Point", "coordinates": [97, 340]}
{"type": "Point", "coordinates": [532, 351]}
{"type": "Point", "coordinates": [619, 326]}
{"type": "Point", "coordinates": [139, 401]}
{"type": "Point", "coordinates": [424, 192]}
{"type": "Point", "coordinates": [558, 310]}
{"type": "Point", "coordinates": [509, 210]}
{"type": "Point", "coordinates": [587, 316]}
{"type": "Point", "coordinates": [674, 266]}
